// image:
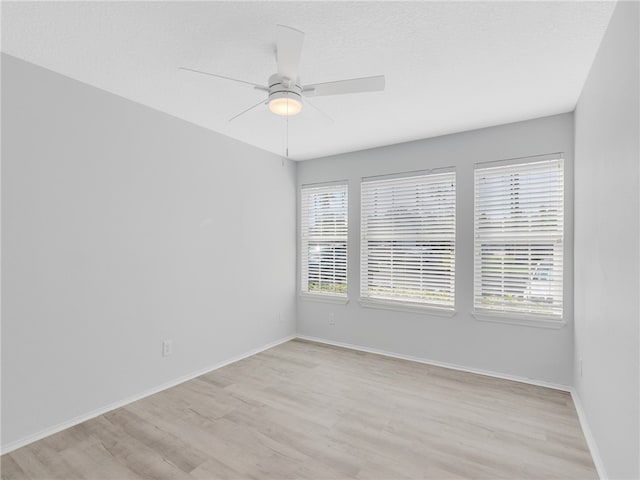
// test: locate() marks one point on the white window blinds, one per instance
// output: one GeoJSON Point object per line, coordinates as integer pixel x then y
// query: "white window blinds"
{"type": "Point", "coordinates": [324, 239]}
{"type": "Point", "coordinates": [519, 222]}
{"type": "Point", "coordinates": [408, 240]}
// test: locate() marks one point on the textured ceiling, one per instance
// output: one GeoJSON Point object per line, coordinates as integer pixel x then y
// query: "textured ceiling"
{"type": "Point", "coordinates": [449, 66]}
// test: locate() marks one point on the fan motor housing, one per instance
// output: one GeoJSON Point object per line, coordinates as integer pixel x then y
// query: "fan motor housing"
{"type": "Point", "coordinates": [280, 87]}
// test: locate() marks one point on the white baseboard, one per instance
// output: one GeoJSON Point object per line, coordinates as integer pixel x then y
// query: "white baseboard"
{"type": "Point", "coordinates": [437, 363]}
{"type": "Point", "coordinates": [125, 401]}
{"type": "Point", "coordinates": [582, 417]}
{"type": "Point", "coordinates": [591, 443]}
{"type": "Point", "coordinates": [107, 408]}
{"type": "Point", "coordinates": [588, 435]}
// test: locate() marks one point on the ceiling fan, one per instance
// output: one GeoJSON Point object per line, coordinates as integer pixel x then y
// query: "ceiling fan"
{"type": "Point", "coordinates": [285, 93]}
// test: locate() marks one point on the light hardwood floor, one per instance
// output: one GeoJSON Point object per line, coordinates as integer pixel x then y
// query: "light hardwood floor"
{"type": "Point", "coordinates": [305, 410]}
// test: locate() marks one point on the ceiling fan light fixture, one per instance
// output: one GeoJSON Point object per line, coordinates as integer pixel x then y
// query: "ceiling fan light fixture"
{"type": "Point", "coordinates": [284, 105]}
{"type": "Point", "coordinates": [284, 88]}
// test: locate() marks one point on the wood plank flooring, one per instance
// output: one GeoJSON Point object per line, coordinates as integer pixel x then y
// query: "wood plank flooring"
{"type": "Point", "coordinates": [310, 411]}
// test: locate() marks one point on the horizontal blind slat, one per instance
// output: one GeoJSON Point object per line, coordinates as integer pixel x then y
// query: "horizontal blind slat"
{"type": "Point", "coordinates": [408, 239]}
{"type": "Point", "coordinates": [324, 225]}
{"type": "Point", "coordinates": [518, 230]}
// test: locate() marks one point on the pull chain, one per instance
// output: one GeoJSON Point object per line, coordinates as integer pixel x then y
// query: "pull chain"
{"type": "Point", "coordinates": [286, 135]}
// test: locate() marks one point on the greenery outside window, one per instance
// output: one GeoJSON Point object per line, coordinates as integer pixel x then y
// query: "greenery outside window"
{"type": "Point", "coordinates": [324, 223]}
{"type": "Point", "coordinates": [408, 230]}
{"type": "Point", "coordinates": [519, 226]}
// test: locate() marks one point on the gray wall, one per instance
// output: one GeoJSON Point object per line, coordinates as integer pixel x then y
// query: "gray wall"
{"type": "Point", "coordinates": [536, 353]}
{"type": "Point", "coordinates": [121, 227]}
{"type": "Point", "coordinates": [607, 239]}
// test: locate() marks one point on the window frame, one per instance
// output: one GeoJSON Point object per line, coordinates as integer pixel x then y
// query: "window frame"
{"type": "Point", "coordinates": [327, 297]}
{"type": "Point", "coordinates": [520, 317]}
{"type": "Point", "coordinates": [400, 304]}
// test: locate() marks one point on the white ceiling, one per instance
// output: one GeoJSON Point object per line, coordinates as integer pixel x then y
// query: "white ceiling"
{"type": "Point", "coordinates": [449, 66]}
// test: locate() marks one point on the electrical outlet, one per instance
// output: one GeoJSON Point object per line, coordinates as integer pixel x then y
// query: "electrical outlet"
{"type": "Point", "coordinates": [167, 348]}
{"type": "Point", "coordinates": [332, 318]}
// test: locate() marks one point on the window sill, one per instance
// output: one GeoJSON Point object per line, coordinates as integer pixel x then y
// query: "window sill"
{"type": "Point", "coordinates": [406, 307]}
{"type": "Point", "coordinates": [519, 319]}
{"type": "Point", "coordinates": [325, 298]}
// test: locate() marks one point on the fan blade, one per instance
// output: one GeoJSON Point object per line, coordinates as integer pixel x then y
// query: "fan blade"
{"type": "Point", "coordinates": [261, 102]}
{"type": "Point", "coordinates": [325, 115]}
{"type": "Point", "coordinates": [354, 85]}
{"type": "Point", "coordinates": [254, 85]}
{"type": "Point", "coordinates": [289, 50]}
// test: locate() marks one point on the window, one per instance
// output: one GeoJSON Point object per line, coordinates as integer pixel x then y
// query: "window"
{"type": "Point", "coordinates": [408, 240]}
{"type": "Point", "coordinates": [324, 240]}
{"type": "Point", "coordinates": [519, 220]}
